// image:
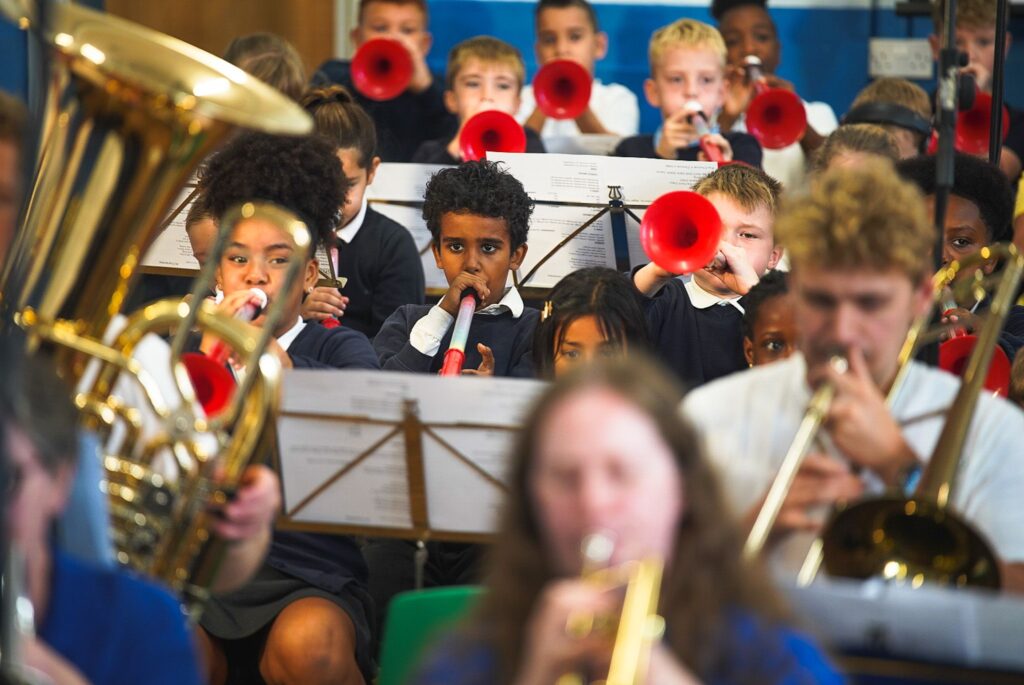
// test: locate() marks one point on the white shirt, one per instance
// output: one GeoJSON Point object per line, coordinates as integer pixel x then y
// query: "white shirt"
{"type": "Point", "coordinates": [748, 421]}
{"type": "Point", "coordinates": [426, 334]}
{"type": "Point", "coordinates": [702, 299]}
{"type": "Point", "coordinates": [286, 339]}
{"type": "Point", "coordinates": [789, 165]}
{"type": "Point", "coordinates": [615, 105]}
{"type": "Point", "coordinates": [347, 233]}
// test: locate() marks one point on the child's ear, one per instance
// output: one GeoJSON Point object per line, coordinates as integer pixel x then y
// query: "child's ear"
{"type": "Point", "coordinates": [774, 257]}
{"type": "Point", "coordinates": [426, 41]}
{"type": "Point", "coordinates": [748, 350]}
{"type": "Point", "coordinates": [311, 276]}
{"type": "Point", "coordinates": [437, 254]}
{"type": "Point", "coordinates": [600, 45]}
{"type": "Point", "coordinates": [371, 173]}
{"type": "Point", "coordinates": [518, 255]}
{"type": "Point", "coordinates": [651, 93]}
{"type": "Point", "coordinates": [450, 102]}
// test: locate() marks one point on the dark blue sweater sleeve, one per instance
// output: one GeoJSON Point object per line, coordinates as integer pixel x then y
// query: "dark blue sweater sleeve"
{"type": "Point", "coordinates": [392, 345]}
{"type": "Point", "coordinates": [400, 280]}
{"type": "Point", "coordinates": [337, 348]}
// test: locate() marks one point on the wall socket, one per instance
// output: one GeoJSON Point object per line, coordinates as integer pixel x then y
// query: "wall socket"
{"type": "Point", "coordinates": [900, 57]}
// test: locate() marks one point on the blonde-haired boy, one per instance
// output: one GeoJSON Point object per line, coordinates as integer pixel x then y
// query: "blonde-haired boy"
{"type": "Point", "coordinates": [697, 326]}
{"type": "Point", "coordinates": [687, 61]}
{"type": "Point", "coordinates": [900, 107]}
{"type": "Point", "coordinates": [975, 34]}
{"type": "Point", "coordinates": [483, 73]}
{"type": "Point", "coordinates": [860, 252]}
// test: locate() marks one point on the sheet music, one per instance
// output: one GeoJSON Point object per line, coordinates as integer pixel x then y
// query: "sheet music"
{"type": "Point", "coordinates": [171, 249]}
{"type": "Point", "coordinates": [549, 225]}
{"type": "Point", "coordinates": [322, 428]}
{"type": "Point", "coordinates": [585, 178]}
{"type": "Point", "coordinates": [960, 626]}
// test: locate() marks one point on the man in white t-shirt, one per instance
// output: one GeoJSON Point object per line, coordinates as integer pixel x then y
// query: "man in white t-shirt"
{"type": "Point", "coordinates": [567, 29]}
{"type": "Point", "coordinates": [860, 250]}
{"type": "Point", "coordinates": [748, 30]}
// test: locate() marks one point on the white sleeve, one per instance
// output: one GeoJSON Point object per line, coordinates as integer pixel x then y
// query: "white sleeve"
{"type": "Point", "coordinates": [426, 333]}
{"type": "Point", "coordinates": [617, 108]}
{"type": "Point", "coordinates": [821, 118]}
{"type": "Point", "coordinates": [526, 104]}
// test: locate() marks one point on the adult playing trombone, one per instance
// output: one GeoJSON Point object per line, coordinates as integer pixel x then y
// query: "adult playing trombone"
{"type": "Point", "coordinates": [860, 249]}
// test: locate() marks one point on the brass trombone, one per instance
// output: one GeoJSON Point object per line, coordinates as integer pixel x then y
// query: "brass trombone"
{"type": "Point", "coordinates": [130, 114]}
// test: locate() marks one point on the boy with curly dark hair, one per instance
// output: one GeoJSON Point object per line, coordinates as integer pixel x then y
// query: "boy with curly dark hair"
{"type": "Point", "coordinates": [478, 215]}
{"type": "Point", "coordinates": [305, 616]}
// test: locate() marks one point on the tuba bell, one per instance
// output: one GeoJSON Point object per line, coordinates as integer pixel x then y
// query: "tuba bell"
{"type": "Point", "coordinates": [130, 113]}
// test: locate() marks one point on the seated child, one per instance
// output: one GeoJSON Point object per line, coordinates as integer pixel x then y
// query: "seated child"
{"type": "Point", "coordinates": [900, 107]}
{"type": "Point", "coordinates": [418, 114]}
{"type": "Point", "coordinates": [851, 144]}
{"type": "Point", "coordinates": [696, 327]}
{"type": "Point", "coordinates": [484, 73]}
{"type": "Point", "coordinates": [687, 60]}
{"type": "Point", "coordinates": [590, 314]}
{"type": "Point", "coordinates": [478, 216]}
{"type": "Point", "coordinates": [975, 34]}
{"type": "Point", "coordinates": [748, 30]}
{"type": "Point", "coordinates": [979, 213]}
{"type": "Point", "coordinates": [769, 327]}
{"type": "Point", "coordinates": [304, 617]}
{"type": "Point", "coordinates": [271, 59]}
{"type": "Point", "coordinates": [377, 256]}
{"type": "Point", "coordinates": [567, 29]}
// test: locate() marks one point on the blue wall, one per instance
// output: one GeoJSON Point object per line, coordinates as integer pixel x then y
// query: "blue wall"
{"type": "Point", "coordinates": [824, 50]}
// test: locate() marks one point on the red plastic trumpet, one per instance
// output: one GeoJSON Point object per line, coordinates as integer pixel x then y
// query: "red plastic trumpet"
{"type": "Point", "coordinates": [955, 352]}
{"type": "Point", "coordinates": [381, 69]}
{"type": "Point", "coordinates": [972, 127]}
{"type": "Point", "coordinates": [562, 89]}
{"type": "Point", "coordinates": [699, 121]}
{"type": "Point", "coordinates": [212, 382]}
{"type": "Point", "coordinates": [680, 232]}
{"type": "Point", "coordinates": [776, 117]}
{"type": "Point", "coordinates": [491, 131]}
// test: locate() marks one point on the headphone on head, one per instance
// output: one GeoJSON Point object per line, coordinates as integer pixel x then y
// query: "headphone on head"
{"type": "Point", "coordinates": [889, 113]}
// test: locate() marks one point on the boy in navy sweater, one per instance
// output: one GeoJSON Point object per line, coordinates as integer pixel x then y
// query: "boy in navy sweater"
{"type": "Point", "coordinates": [687, 69]}
{"type": "Point", "coordinates": [478, 216]}
{"type": "Point", "coordinates": [696, 327]}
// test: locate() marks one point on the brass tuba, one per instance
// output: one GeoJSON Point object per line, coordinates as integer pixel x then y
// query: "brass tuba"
{"type": "Point", "coordinates": [130, 114]}
{"type": "Point", "coordinates": [919, 538]}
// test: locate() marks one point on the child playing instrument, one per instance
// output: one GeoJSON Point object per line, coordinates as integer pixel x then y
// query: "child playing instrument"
{"type": "Point", "coordinates": [483, 74]}
{"type": "Point", "coordinates": [478, 216]}
{"type": "Point", "coordinates": [567, 29]}
{"type": "Point", "coordinates": [900, 107]}
{"type": "Point", "coordinates": [591, 314]}
{"type": "Point", "coordinates": [687, 60]}
{"type": "Point", "coordinates": [377, 256]}
{"type": "Point", "coordinates": [305, 617]}
{"type": "Point", "coordinates": [696, 327]}
{"type": "Point", "coordinates": [417, 114]}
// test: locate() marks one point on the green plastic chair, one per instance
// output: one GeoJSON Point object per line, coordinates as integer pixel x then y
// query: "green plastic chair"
{"type": "Point", "coordinates": [415, 620]}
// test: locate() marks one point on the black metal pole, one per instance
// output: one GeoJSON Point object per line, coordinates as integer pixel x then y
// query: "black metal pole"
{"type": "Point", "coordinates": [946, 110]}
{"type": "Point", "coordinates": [995, 139]}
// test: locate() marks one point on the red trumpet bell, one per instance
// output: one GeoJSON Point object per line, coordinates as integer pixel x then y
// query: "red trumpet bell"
{"type": "Point", "coordinates": [953, 356]}
{"type": "Point", "coordinates": [776, 117]}
{"type": "Point", "coordinates": [680, 231]}
{"type": "Point", "coordinates": [972, 126]}
{"type": "Point", "coordinates": [381, 69]}
{"type": "Point", "coordinates": [491, 131]}
{"type": "Point", "coordinates": [212, 382]}
{"type": "Point", "coordinates": [562, 89]}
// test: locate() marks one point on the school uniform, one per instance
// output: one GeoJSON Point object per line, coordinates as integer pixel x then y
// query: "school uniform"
{"type": "Point", "coordinates": [698, 335]}
{"type": "Point", "coordinates": [748, 422]}
{"type": "Point", "coordinates": [415, 337]}
{"type": "Point", "coordinates": [379, 258]}
{"type": "Point", "coordinates": [300, 565]}
{"type": "Point", "coordinates": [402, 123]}
{"type": "Point", "coordinates": [613, 104]}
{"type": "Point", "coordinates": [745, 148]}
{"type": "Point", "coordinates": [436, 151]}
